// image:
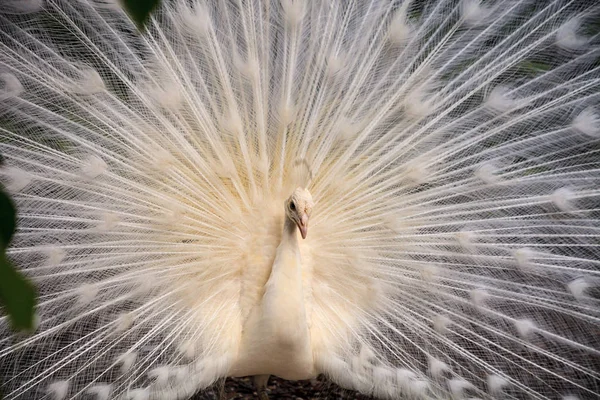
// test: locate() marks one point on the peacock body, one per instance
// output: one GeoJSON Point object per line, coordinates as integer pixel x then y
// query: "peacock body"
{"type": "Point", "coordinates": [442, 159]}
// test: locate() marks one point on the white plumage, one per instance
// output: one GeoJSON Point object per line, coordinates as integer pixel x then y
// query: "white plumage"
{"type": "Point", "coordinates": [440, 157]}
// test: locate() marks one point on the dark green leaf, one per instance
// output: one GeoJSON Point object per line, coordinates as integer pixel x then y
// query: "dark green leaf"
{"type": "Point", "coordinates": [7, 220]}
{"type": "Point", "coordinates": [140, 10]}
{"type": "Point", "coordinates": [17, 295]}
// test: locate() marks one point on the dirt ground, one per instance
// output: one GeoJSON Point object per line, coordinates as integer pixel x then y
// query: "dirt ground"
{"type": "Point", "coordinates": [320, 388]}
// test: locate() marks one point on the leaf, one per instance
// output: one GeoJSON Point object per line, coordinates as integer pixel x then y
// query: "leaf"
{"type": "Point", "coordinates": [140, 10]}
{"type": "Point", "coordinates": [7, 220]}
{"type": "Point", "coordinates": [17, 295]}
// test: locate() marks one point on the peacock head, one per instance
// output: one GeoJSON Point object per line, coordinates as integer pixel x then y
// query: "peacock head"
{"type": "Point", "coordinates": [298, 208]}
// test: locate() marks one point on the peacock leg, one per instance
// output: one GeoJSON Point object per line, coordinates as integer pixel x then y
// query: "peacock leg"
{"type": "Point", "coordinates": [260, 383]}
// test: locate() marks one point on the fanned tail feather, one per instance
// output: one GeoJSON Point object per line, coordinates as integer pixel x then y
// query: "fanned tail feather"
{"type": "Point", "coordinates": [451, 148]}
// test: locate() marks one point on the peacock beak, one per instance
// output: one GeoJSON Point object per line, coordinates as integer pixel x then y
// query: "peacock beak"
{"type": "Point", "coordinates": [303, 225]}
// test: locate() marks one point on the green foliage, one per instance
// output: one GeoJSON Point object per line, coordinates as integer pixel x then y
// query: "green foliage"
{"type": "Point", "coordinates": [7, 219]}
{"type": "Point", "coordinates": [17, 294]}
{"type": "Point", "coordinates": [140, 10]}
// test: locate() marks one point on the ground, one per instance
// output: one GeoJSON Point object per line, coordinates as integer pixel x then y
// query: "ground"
{"type": "Point", "coordinates": [280, 389]}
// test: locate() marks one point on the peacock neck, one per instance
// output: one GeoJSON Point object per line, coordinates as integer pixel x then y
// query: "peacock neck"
{"type": "Point", "coordinates": [288, 265]}
{"type": "Point", "coordinates": [290, 234]}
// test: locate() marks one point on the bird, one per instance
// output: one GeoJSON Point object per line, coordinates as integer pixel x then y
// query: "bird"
{"type": "Point", "coordinates": [398, 195]}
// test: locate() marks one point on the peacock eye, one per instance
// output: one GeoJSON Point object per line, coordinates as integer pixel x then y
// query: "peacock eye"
{"type": "Point", "coordinates": [292, 206]}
